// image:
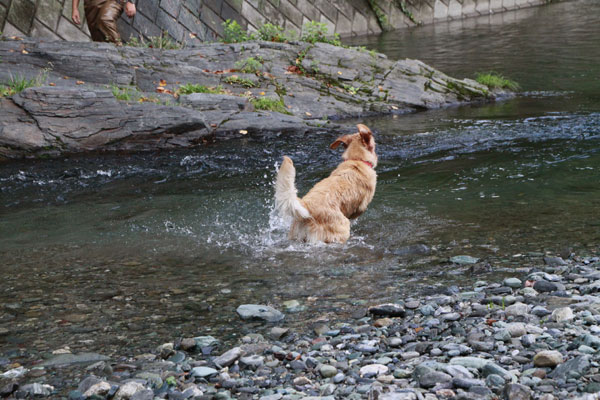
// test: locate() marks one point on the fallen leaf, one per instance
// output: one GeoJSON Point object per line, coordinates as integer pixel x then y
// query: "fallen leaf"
{"type": "Point", "coordinates": [262, 93]}
{"type": "Point", "coordinates": [308, 114]}
{"type": "Point", "coordinates": [418, 329]}
{"type": "Point", "coordinates": [192, 35]}
{"type": "Point", "coordinates": [24, 51]}
{"type": "Point", "coordinates": [289, 106]}
{"type": "Point", "coordinates": [339, 72]}
{"type": "Point", "coordinates": [491, 321]}
{"type": "Point", "coordinates": [162, 83]}
{"type": "Point", "coordinates": [160, 89]}
{"type": "Point", "coordinates": [293, 69]}
{"type": "Point", "coordinates": [243, 131]}
{"type": "Point", "coordinates": [394, 108]}
{"type": "Point", "coordinates": [65, 77]}
{"type": "Point", "coordinates": [52, 84]}
{"type": "Point", "coordinates": [80, 82]}
{"type": "Point", "coordinates": [213, 125]}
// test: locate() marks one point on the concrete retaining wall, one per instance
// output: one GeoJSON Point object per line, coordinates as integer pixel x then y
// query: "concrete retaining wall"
{"type": "Point", "coordinates": [201, 20]}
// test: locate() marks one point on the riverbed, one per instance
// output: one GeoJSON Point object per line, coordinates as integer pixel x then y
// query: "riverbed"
{"type": "Point", "coordinates": [117, 253]}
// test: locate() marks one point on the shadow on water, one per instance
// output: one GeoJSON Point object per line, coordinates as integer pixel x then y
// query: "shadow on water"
{"type": "Point", "coordinates": [116, 253]}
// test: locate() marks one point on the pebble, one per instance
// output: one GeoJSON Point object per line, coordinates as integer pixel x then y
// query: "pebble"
{"type": "Point", "coordinates": [562, 314]}
{"type": "Point", "coordinates": [259, 312]}
{"type": "Point", "coordinates": [490, 341]}
{"type": "Point", "coordinates": [547, 358]}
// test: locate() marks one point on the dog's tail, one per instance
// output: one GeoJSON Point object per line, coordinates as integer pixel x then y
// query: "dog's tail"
{"type": "Point", "coordinates": [286, 195]}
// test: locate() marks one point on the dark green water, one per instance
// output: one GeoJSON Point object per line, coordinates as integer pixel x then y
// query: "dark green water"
{"type": "Point", "coordinates": [117, 254]}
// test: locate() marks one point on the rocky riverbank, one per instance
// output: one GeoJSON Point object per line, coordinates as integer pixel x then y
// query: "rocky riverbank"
{"type": "Point", "coordinates": [535, 336]}
{"type": "Point", "coordinates": [98, 97]}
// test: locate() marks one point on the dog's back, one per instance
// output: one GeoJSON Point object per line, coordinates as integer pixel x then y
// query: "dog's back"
{"type": "Point", "coordinates": [324, 213]}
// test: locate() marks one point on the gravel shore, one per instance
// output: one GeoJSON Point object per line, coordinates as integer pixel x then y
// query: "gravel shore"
{"type": "Point", "coordinates": [535, 336]}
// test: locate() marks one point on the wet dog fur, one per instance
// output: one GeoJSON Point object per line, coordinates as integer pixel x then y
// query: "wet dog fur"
{"type": "Point", "coordinates": [324, 213]}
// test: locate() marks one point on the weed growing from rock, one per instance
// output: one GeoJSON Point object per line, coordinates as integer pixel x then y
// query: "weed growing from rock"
{"type": "Point", "coordinates": [268, 104]}
{"type": "Point", "coordinates": [190, 88]}
{"type": "Point", "coordinates": [494, 80]}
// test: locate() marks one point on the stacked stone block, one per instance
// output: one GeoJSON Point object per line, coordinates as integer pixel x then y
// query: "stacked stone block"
{"type": "Point", "coordinates": [194, 21]}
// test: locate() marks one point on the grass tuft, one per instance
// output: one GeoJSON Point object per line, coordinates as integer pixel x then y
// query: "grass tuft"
{"type": "Point", "coordinates": [190, 88]}
{"type": "Point", "coordinates": [494, 80]}
{"type": "Point", "coordinates": [19, 83]}
{"type": "Point", "coordinates": [268, 104]}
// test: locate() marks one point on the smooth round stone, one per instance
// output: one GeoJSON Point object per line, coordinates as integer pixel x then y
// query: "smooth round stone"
{"type": "Point", "coordinates": [339, 378]}
{"type": "Point", "coordinates": [450, 316]}
{"type": "Point", "coordinates": [400, 373]}
{"type": "Point", "coordinates": [516, 329]}
{"type": "Point", "coordinates": [395, 342]}
{"type": "Point", "coordinates": [494, 380]}
{"type": "Point", "coordinates": [514, 283]}
{"type": "Point", "coordinates": [562, 314]}
{"type": "Point", "coordinates": [373, 370]}
{"type": "Point", "coordinates": [547, 358]}
{"type": "Point", "coordinates": [586, 349]}
{"type": "Point", "coordinates": [517, 310]}
{"type": "Point", "coordinates": [259, 312]}
{"type": "Point", "coordinates": [436, 352]}
{"type": "Point", "coordinates": [203, 372]}
{"type": "Point", "coordinates": [412, 304]}
{"type": "Point", "coordinates": [328, 371]}
{"type": "Point", "coordinates": [427, 310]}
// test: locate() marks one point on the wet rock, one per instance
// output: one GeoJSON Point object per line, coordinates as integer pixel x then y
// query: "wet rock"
{"type": "Point", "coordinates": [259, 312]}
{"type": "Point", "coordinates": [514, 283]}
{"type": "Point", "coordinates": [547, 358]}
{"type": "Point", "coordinates": [277, 333]}
{"type": "Point", "coordinates": [574, 368]}
{"type": "Point", "coordinates": [14, 373]}
{"type": "Point", "coordinates": [37, 390]}
{"type": "Point", "coordinates": [253, 361]}
{"type": "Point", "coordinates": [464, 260]}
{"type": "Point", "coordinates": [203, 372]}
{"type": "Point", "coordinates": [70, 359]}
{"type": "Point", "coordinates": [543, 286]}
{"type": "Point", "coordinates": [229, 357]}
{"type": "Point", "coordinates": [554, 261]}
{"type": "Point", "coordinates": [388, 310]}
{"type": "Point", "coordinates": [514, 391]}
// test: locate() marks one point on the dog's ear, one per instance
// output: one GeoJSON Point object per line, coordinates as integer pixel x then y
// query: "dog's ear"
{"type": "Point", "coordinates": [365, 132]}
{"type": "Point", "coordinates": [345, 140]}
{"type": "Point", "coordinates": [366, 135]}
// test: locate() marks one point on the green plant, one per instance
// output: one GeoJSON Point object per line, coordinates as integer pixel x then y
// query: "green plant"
{"type": "Point", "coordinates": [171, 381]}
{"type": "Point", "coordinates": [233, 32]}
{"type": "Point", "coordinates": [250, 65]}
{"type": "Point", "coordinates": [494, 80]}
{"type": "Point", "coordinates": [271, 33]}
{"type": "Point", "coordinates": [236, 80]}
{"type": "Point", "coordinates": [266, 103]}
{"type": "Point", "coordinates": [406, 11]}
{"type": "Point", "coordinates": [190, 88]}
{"type": "Point", "coordinates": [163, 41]}
{"type": "Point", "coordinates": [350, 89]}
{"type": "Point", "coordinates": [314, 32]}
{"type": "Point", "coordinates": [19, 83]}
{"type": "Point", "coordinates": [123, 94]}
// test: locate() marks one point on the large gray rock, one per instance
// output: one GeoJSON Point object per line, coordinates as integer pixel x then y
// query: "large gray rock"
{"type": "Point", "coordinates": [77, 113]}
{"type": "Point", "coordinates": [70, 359]}
{"type": "Point", "coordinates": [259, 312]}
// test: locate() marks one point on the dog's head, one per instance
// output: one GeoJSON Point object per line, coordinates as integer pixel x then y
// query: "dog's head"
{"type": "Point", "coordinates": [359, 146]}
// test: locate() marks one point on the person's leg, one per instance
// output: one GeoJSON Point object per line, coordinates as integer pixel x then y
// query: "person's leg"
{"type": "Point", "coordinates": [92, 11]}
{"type": "Point", "coordinates": [109, 14]}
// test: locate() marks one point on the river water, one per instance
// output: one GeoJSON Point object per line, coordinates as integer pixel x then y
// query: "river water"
{"type": "Point", "coordinates": [116, 254]}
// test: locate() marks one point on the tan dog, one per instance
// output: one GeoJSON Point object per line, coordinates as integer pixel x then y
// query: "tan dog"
{"type": "Point", "coordinates": [324, 214]}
